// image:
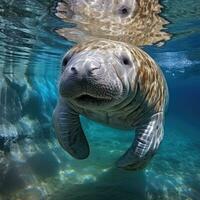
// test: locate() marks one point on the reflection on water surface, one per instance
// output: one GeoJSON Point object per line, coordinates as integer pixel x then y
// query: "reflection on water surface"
{"type": "Point", "coordinates": [130, 21]}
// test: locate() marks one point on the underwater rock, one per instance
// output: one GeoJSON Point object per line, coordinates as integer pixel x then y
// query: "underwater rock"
{"type": "Point", "coordinates": [4, 164]}
{"type": "Point", "coordinates": [8, 134]}
{"type": "Point", "coordinates": [30, 99]}
{"type": "Point", "coordinates": [113, 184]}
{"type": "Point", "coordinates": [32, 193]}
{"type": "Point", "coordinates": [22, 113]}
{"type": "Point", "coordinates": [11, 180]}
{"type": "Point", "coordinates": [10, 104]}
{"type": "Point", "coordinates": [43, 164]}
{"type": "Point", "coordinates": [31, 103]}
{"type": "Point", "coordinates": [24, 128]}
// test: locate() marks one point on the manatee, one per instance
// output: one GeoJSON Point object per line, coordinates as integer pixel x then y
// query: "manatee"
{"type": "Point", "coordinates": [116, 84]}
{"type": "Point", "coordinates": [131, 21]}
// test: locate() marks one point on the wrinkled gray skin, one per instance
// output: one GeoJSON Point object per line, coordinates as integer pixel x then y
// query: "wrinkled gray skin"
{"type": "Point", "coordinates": [100, 85]}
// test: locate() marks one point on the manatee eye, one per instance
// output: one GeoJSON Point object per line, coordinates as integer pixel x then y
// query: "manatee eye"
{"type": "Point", "coordinates": [124, 11]}
{"type": "Point", "coordinates": [66, 60]}
{"type": "Point", "coordinates": [126, 60]}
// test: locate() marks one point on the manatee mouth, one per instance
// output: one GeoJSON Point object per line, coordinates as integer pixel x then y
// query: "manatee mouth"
{"type": "Point", "coordinates": [88, 98]}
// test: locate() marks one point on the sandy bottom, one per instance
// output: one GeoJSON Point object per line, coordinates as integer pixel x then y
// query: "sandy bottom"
{"type": "Point", "coordinates": [36, 170]}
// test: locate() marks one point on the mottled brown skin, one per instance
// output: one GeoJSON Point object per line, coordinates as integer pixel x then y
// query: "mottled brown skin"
{"type": "Point", "coordinates": [150, 90]}
{"type": "Point", "coordinates": [116, 84]}
{"type": "Point", "coordinates": [140, 23]}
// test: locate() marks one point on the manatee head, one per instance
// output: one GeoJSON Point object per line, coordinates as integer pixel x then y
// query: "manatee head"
{"type": "Point", "coordinates": [98, 74]}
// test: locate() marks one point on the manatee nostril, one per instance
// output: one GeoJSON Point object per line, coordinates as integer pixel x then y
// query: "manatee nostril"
{"type": "Point", "coordinates": [91, 67]}
{"type": "Point", "coordinates": [92, 70]}
{"type": "Point", "coordinates": [83, 69]}
{"type": "Point", "coordinates": [74, 70]}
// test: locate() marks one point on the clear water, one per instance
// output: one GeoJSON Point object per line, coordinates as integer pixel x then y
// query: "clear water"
{"type": "Point", "coordinates": [33, 165]}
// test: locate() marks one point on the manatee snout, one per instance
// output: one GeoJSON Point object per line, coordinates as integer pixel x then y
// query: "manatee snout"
{"type": "Point", "coordinates": [89, 79]}
{"type": "Point", "coordinates": [83, 69]}
{"type": "Point", "coordinates": [77, 77]}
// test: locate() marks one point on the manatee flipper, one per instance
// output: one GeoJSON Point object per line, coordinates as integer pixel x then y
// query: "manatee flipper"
{"type": "Point", "coordinates": [69, 132]}
{"type": "Point", "coordinates": [147, 140]}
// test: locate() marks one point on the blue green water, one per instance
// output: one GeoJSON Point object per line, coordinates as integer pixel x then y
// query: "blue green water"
{"type": "Point", "coordinates": [33, 166]}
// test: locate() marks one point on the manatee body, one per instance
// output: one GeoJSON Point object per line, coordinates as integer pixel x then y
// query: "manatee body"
{"type": "Point", "coordinates": [131, 21]}
{"type": "Point", "coordinates": [115, 84]}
